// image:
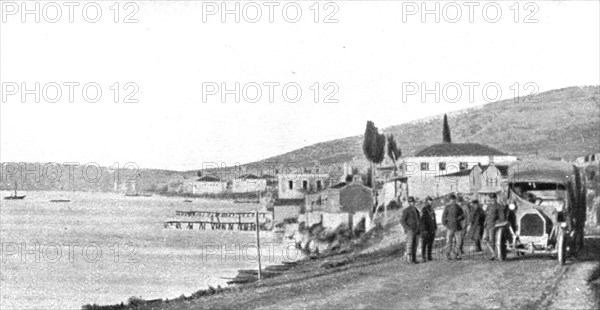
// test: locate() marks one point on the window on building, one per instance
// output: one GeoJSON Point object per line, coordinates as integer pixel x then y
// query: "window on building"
{"type": "Point", "coordinates": [442, 166]}
{"type": "Point", "coordinates": [305, 184]}
{"type": "Point", "coordinates": [463, 165]}
{"type": "Point", "coordinates": [424, 166]}
{"type": "Point", "coordinates": [291, 184]}
{"type": "Point", "coordinates": [319, 184]}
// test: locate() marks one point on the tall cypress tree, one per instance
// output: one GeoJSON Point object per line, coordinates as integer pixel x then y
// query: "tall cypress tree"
{"type": "Point", "coordinates": [370, 141]}
{"type": "Point", "coordinates": [392, 149]}
{"type": "Point", "coordinates": [446, 133]}
{"type": "Point", "coordinates": [374, 149]}
{"type": "Point", "coordinates": [380, 148]}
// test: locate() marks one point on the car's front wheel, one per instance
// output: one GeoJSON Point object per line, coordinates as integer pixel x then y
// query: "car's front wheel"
{"type": "Point", "coordinates": [501, 243]}
{"type": "Point", "coordinates": [561, 245]}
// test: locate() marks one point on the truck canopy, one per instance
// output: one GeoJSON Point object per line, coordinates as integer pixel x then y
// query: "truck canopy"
{"type": "Point", "coordinates": [541, 171]}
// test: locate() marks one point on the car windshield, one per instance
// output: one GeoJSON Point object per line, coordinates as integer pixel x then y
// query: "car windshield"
{"type": "Point", "coordinates": [546, 194]}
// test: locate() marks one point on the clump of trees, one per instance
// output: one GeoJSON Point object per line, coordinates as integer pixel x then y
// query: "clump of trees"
{"type": "Point", "coordinates": [373, 147]}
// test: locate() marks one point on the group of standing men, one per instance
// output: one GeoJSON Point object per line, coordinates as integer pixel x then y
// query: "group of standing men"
{"type": "Point", "coordinates": [462, 221]}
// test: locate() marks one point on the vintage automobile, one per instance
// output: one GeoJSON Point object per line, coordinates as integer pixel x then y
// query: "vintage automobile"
{"type": "Point", "coordinates": [545, 206]}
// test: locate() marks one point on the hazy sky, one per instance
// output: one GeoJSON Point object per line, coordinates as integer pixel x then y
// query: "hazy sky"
{"type": "Point", "coordinates": [170, 52]}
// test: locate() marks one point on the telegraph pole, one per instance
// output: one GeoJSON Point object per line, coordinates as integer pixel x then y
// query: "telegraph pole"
{"type": "Point", "coordinates": [258, 246]}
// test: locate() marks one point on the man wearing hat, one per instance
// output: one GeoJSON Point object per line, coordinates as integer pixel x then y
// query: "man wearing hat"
{"type": "Point", "coordinates": [411, 223]}
{"type": "Point", "coordinates": [451, 219]}
{"type": "Point", "coordinates": [495, 213]}
{"type": "Point", "coordinates": [428, 229]}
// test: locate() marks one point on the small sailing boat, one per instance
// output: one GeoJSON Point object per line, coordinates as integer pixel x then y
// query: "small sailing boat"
{"type": "Point", "coordinates": [14, 195]}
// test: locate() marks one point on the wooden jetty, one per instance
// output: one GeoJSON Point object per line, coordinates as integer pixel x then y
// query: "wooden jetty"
{"type": "Point", "coordinates": [210, 225]}
{"type": "Point", "coordinates": [207, 220]}
{"type": "Point", "coordinates": [223, 214]}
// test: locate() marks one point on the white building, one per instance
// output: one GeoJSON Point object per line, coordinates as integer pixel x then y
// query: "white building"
{"type": "Point", "coordinates": [427, 170]}
{"type": "Point", "coordinates": [206, 185]}
{"type": "Point", "coordinates": [588, 159]}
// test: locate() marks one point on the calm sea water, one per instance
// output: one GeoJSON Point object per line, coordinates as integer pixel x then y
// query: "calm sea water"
{"type": "Point", "coordinates": [104, 248]}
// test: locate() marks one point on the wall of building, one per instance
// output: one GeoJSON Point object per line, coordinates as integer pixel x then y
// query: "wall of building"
{"type": "Point", "coordinates": [412, 165]}
{"type": "Point", "coordinates": [327, 200]}
{"type": "Point", "coordinates": [438, 186]}
{"type": "Point", "coordinates": [475, 180]}
{"type": "Point", "coordinates": [196, 187]}
{"type": "Point", "coordinates": [281, 213]}
{"type": "Point", "coordinates": [300, 184]}
{"type": "Point", "coordinates": [590, 158]}
{"type": "Point", "coordinates": [331, 221]}
{"type": "Point", "coordinates": [391, 190]}
{"type": "Point", "coordinates": [423, 182]}
{"type": "Point", "coordinates": [250, 185]}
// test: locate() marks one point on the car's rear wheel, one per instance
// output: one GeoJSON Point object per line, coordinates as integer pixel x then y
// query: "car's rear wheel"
{"type": "Point", "coordinates": [501, 245]}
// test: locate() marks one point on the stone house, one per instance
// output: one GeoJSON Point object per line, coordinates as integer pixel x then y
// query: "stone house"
{"type": "Point", "coordinates": [442, 168]}
{"type": "Point", "coordinates": [342, 204]}
{"type": "Point", "coordinates": [298, 185]}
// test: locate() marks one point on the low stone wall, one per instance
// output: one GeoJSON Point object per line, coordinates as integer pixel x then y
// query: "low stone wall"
{"type": "Point", "coordinates": [339, 225]}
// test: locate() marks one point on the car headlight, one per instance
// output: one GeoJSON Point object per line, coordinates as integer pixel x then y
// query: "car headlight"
{"type": "Point", "coordinates": [512, 206]}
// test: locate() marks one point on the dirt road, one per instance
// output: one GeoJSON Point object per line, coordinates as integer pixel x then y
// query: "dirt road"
{"type": "Point", "coordinates": [388, 282]}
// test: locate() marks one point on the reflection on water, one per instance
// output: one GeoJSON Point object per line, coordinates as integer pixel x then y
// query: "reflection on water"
{"type": "Point", "coordinates": [104, 248]}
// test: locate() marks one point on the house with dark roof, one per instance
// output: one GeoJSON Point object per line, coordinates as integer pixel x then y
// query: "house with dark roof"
{"type": "Point", "coordinates": [248, 183]}
{"type": "Point", "coordinates": [445, 167]}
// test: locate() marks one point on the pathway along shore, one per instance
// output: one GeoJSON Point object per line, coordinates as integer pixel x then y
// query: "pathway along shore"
{"type": "Point", "coordinates": [384, 280]}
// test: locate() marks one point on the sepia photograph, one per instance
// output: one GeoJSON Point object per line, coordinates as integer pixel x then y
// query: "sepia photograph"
{"type": "Point", "coordinates": [299, 154]}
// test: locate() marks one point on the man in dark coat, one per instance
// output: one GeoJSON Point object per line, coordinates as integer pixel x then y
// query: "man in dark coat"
{"type": "Point", "coordinates": [428, 229]}
{"type": "Point", "coordinates": [494, 213]}
{"type": "Point", "coordinates": [477, 221]}
{"type": "Point", "coordinates": [411, 222]}
{"type": "Point", "coordinates": [465, 223]}
{"type": "Point", "coordinates": [451, 219]}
